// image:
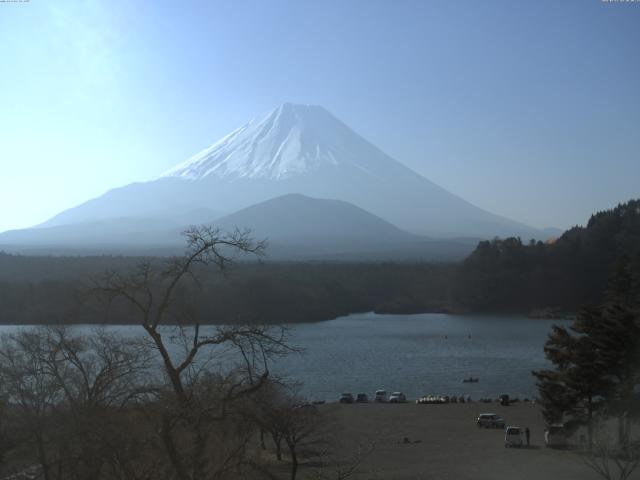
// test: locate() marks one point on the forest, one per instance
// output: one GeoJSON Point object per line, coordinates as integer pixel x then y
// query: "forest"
{"type": "Point", "coordinates": [501, 275]}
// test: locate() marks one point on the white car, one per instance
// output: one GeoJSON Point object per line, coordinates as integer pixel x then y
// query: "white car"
{"type": "Point", "coordinates": [381, 396]}
{"type": "Point", "coordinates": [490, 420]}
{"type": "Point", "coordinates": [397, 397]}
{"type": "Point", "coordinates": [513, 437]}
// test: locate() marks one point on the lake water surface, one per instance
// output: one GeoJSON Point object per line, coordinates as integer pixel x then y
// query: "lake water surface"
{"type": "Point", "coordinates": [416, 354]}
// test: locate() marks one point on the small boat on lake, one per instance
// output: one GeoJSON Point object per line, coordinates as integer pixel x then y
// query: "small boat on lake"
{"type": "Point", "coordinates": [470, 380]}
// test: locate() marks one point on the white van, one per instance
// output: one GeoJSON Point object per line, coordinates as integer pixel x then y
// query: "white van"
{"type": "Point", "coordinates": [513, 437]}
{"type": "Point", "coordinates": [397, 397]}
{"type": "Point", "coordinates": [381, 396]}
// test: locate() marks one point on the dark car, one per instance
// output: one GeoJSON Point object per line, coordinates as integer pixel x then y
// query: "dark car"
{"type": "Point", "coordinates": [362, 398]}
{"type": "Point", "coordinates": [346, 398]}
{"type": "Point", "coordinates": [490, 420]}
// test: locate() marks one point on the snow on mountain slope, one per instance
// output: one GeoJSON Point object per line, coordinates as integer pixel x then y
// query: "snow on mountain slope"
{"type": "Point", "coordinates": [291, 140]}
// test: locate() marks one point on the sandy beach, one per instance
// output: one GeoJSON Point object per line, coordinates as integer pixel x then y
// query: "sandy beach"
{"type": "Point", "coordinates": [445, 443]}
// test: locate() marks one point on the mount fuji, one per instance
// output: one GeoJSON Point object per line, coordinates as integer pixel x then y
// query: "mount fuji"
{"type": "Point", "coordinates": [295, 149]}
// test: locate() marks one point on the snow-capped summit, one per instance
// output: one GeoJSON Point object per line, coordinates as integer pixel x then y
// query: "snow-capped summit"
{"type": "Point", "coordinates": [289, 141]}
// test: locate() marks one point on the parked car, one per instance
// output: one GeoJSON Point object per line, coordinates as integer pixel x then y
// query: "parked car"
{"type": "Point", "coordinates": [346, 398]}
{"type": "Point", "coordinates": [397, 397]}
{"type": "Point", "coordinates": [513, 437]}
{"type": "Point", "coordinates": [556, 436]}
{"type": "Point", "coordinates": [362, 398]}
{"type": "Point", "coordinates": [381, 396]}
{"type": "Point", "coordinates": [490, 420]}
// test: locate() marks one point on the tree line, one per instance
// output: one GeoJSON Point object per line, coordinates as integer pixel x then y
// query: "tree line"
{"type": "Point", "coordinates": [501, 275]}
{"type": "Point", "coordinates": [249, 292]}
{"type": "Point", "coordinates": [565, 273]}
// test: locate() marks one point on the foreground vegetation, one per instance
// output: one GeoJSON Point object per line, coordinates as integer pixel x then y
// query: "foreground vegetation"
{"type": "Point", "coordinates": [187, 406]}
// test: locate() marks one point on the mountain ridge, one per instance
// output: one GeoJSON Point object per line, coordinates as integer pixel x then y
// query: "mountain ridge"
{"type": "Point", "coordinates": [297, 227]}
{"type": "Point", "coordinates": [288, 215]}
{"type": "Point", "coordinates": [301, 149]}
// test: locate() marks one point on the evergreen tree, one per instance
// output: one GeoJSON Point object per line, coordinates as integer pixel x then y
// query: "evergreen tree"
{"type": "Point", "coordinates": [618, 338]}
{"type": "Point", "coordinates": [570, 392]}
{"type": "Point", "coordinates": [596, 363]}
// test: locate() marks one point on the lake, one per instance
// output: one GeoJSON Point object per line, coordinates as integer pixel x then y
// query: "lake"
{"type": "Point", "coordinates": [418, 354]}
{"type": "Point", "coordinates": [415, 354]}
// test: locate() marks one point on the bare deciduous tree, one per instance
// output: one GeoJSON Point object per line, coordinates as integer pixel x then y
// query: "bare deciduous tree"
{"type": "Point", "coordinates": [63, 393]}
{"type": "Point", "coordinates": [199, 405]}
{"type": "Point", "coordinates": [168, 404]}
{"type": "Point", "coordinates": [608, 458]}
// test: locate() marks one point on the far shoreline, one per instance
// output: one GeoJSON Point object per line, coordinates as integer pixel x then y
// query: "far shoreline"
{"type": "Point", "coordinates": [516, 315]}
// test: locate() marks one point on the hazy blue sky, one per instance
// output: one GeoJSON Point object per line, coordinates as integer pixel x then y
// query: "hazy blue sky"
{"type": "Point", "coordinates": [528, 109]}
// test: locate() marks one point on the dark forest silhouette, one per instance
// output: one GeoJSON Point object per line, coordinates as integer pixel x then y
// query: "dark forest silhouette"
{"type": "Point", "coordinates": [499, 276]}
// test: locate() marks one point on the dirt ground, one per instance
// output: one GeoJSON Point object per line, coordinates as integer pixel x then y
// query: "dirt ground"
{"type": "Point", "coordinates": [447, 444]}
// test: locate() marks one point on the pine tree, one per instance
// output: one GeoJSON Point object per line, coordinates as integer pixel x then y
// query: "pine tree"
{"type": "Point", "coordinates": [618, 338]}
{"type": "Point", "coordinates": [597, 363]}
{"type": "Point", "coordinates": [570, 392]}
